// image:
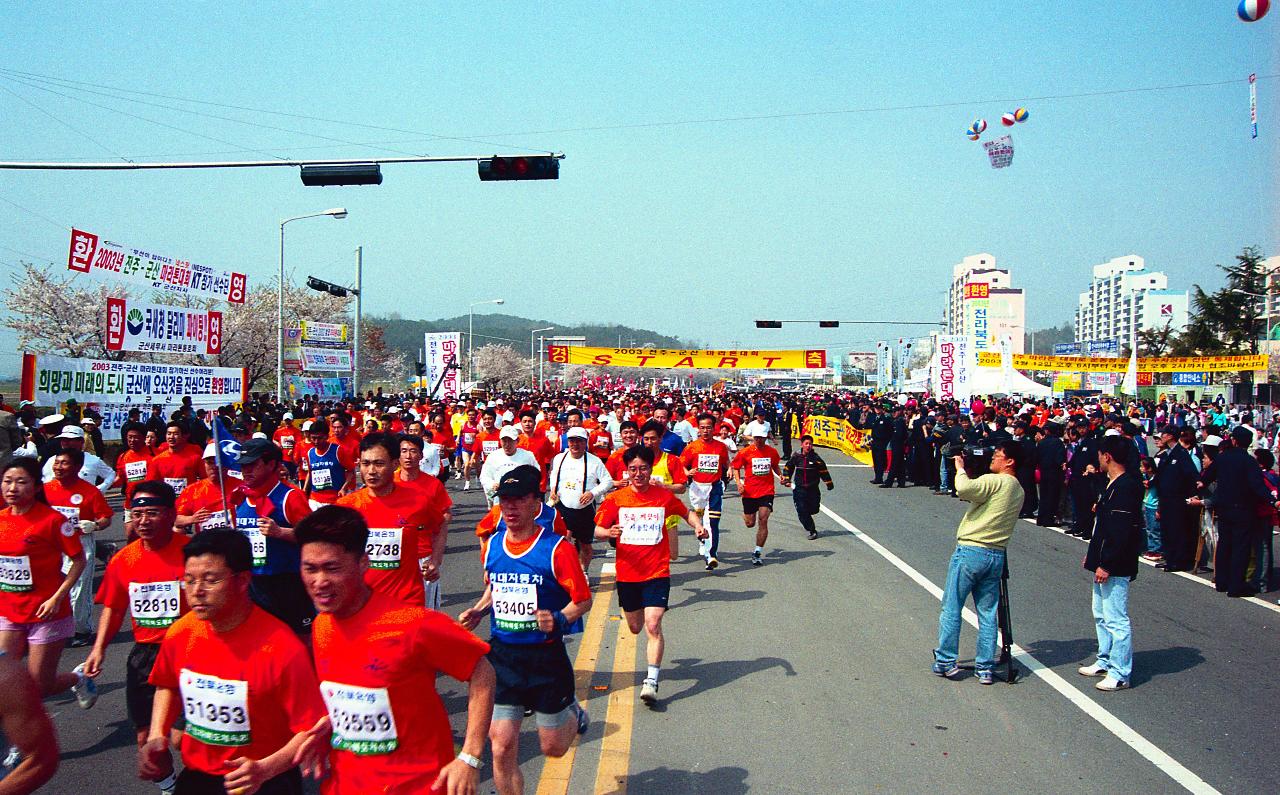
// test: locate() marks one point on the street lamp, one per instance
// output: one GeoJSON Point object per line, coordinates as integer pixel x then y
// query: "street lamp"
{"type": "Point", "coordinates": [336, 212]}
{"type": "Point", "coordinates": [471, 316]}
{"type": "Point", "coordinates": [537, 356]}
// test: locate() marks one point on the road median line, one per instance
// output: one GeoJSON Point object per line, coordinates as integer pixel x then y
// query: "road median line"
{"type": "Point", "coordinates": [615, 748]}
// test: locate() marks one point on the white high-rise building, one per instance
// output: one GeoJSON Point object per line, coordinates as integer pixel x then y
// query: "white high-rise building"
{"type": "Point", "coordinates": [1122, 291]}
{"type": "Point", "coordinates": [983, 304]}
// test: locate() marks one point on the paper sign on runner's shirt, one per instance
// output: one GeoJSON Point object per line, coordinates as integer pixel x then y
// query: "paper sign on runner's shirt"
{"type": "Point", "coordinates": [217, 710]}
{"type": "Point", "coordinates": [155, 604]}
{"type": "Point", "coordinates": [641, 526]}
{"type": "Point", "coordinates": [515, 606]}
{"type": "Point", "coordinates": [362, 719]}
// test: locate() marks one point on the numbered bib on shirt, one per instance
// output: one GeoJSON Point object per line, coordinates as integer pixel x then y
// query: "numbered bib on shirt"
{"type": "Point", "coordinates": [15, 574]}
{"type": "Point", "coordinates": [641, 526]}
{"type": "Point", "coordinates": [155, 604]}
{"type": "Point", "coordinates": [257, 543]}
{"type": "Point", "coordinates": [177, 484]}
{"type": "Point", "coordinates": [515, 606]}
{"type": "Point", "coordinates": [708, 462]}
{"type": "Point", "coordinates": [489, 446]}
{"type": "Point", "coordinates": [321, 479]}
{"type": "Point", "coordinates": [135, 471]}
{"type": "Point", "coordinates": [219, 520]}
{"type": "Point", "coordinates": [362, 719]}
{"type": "Point", "coordinates": [552, 436]}
{"type": "Point", "coordinates": [761, 466]}
{"type": "Point", "coordinates": [287, 443]}
{"type": "Point", "coordinates": [217, 710]}
{"type": "Point", "coordinates": [383, 547]}
{"type": "Point", "coordinates": [71, 512]}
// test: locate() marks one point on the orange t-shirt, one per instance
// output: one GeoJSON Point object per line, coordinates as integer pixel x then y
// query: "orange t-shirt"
{"type": "Point", "coordinates": [148, 583]}
{"type": "Point", "coordinates": [246, 692]}
{"type": "Point", "coordinates": [173, 468]}
{"type": "Point", "coordinates": [288, 439]}
{"type": "Point", "coordinates": [205, 494]}
{"type": "Point", "coordinates": [31, 550]}
{"type": "Point", "coordinates": [486, 442]}
{"type": "Point", "coordinates": [131, 469]}
{"type": "Point", "coordinates": [706, 462]}
{"type": "Point", "coordinates": [758, 466]}
{"type": "Point", "coordinates": [614, 465]}
{"type": "Point", "coordinates": [396, 524]}
{"type": "Point", "coordinates": [378, 669]}
{"type": "Point", "coordinates": [81, 501]}
{"type": "Point", "coordinates": [434, 492]}
{"type": "Point", "coordinates": [600, 442]}
{"type": "Point", "coordinates": [648, 518]}
{"type": "Point", "coordinates": [445, 441]}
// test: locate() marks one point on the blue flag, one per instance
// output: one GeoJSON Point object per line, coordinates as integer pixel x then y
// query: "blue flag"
{"type": "Point", "coordinates": [228, 448]}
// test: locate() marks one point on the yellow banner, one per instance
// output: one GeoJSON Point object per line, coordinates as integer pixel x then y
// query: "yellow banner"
{"type": "Point", "coordinates": [688, 360]}
{"type": "Point", "coordinates": [837, 433]}
{"type": "Point", "coordinates": [1163, 364]}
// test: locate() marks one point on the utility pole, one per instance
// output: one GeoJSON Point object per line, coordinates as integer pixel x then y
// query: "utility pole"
{"type": "Point", "coordinates": [355, 356]}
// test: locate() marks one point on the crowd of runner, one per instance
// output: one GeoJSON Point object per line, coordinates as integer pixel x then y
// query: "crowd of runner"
{"type": "Point", "coordinates": [284, 603]}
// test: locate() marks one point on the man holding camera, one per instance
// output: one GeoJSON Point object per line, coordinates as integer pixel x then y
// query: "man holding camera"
{"type": "Point", "coordinates": [995, 500]}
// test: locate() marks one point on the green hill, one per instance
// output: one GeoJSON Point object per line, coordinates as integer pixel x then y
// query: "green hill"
{"type": "Point", "coordinates": [406, 335]}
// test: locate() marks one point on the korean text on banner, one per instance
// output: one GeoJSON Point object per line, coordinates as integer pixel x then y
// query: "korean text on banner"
{"type": "Point", "coordinates": [159, 328]}
{"type": "Point", "coordinates": [999, 151]}
{"type": "Point", "coordinates": [323, 333]}
{"type": "Point", "coordinates": [91, 254]}
{"type": "Point", "coordinates": [689, 360]}
{"type": "Point", "coordinates": [1163, 364]}
{"type": "Point", "coordinates": [954, 368]}
{"type": "Point", "coordinates": [440, 349]}
{"type": "Point", "coordinates": [837, 433]}
{"type": "Point", "coordinates": [336, 359]}
{"type": "Point", "coordinates": [325, 388]}
{"type": "Point", "coordinates": [49, 380]}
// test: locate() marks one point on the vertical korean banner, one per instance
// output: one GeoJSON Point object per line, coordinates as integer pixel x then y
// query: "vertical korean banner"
{"type": "Point", "coordinates": [977, 307]}
{"type": "Point", "coordinates": [440, 349]}
{"type": "Point", "coordinates": [1253, 103]}
{"type": "Point", "coordinates": [884, 366]}
{"type": "Point", "coordinates": [954, 368]}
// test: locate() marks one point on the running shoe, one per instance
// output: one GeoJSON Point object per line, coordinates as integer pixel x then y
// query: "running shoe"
{"type": "Point", "coordinates": [755, 559]}
{"type": "Point", "coordinates": [712, 563]}
{"type": "Point", "coordinates": [813, 535]}
{"type": "Point", "coordinates": [85, 689]}
{"type": "Point", "coordinates": [649, 692]}
{"type": "Point", "coordinates": [584, 720]}
{"type": "Point", "coordinates": [466, 485]}
{"type": "Point", "coordinates": [986, 677]}
{"type": "Point", "coordinates": [12, 758]}
{"type": "Point", "coordinates": [947, 670]}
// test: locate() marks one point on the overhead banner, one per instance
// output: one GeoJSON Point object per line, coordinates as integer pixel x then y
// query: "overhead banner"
{"type": "Point", "coordinates": [692, 360]}
{"type": "Point", "coordinates": [323, 333]}
{"type": "Point", "coordinates": [440, 349]}
{"type": "Point", "coordinates": [158, 328]}
{"type": "Point", "coordinates": [1163, 364]}
{"type": "Point", "coordinates": [49, 380]}
{"type": "Point", "coordinates": [837, 433]}
{"type": "Point", "coordinates": [91, 254]}
{"type": "Point", "coordinates": [999, 151]}
{"type": "Point", "coordinates": [338, 359]}
{"type": "Point", "coordinates": [329, 388]}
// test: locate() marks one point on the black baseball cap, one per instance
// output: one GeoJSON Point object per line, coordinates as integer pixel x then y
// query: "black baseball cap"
{"type": "Point", "coordinates": [259, 449]}
{"type": "Point", "coordinates": [519, 482]}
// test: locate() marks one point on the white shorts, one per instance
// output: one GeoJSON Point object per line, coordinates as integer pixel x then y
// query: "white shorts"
{"type": "Point", "coordinates": [700, 495]}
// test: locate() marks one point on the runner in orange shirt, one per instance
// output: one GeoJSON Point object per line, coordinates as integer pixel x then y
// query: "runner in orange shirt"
{"type": "Point", "coordinates": [486, 442]}
{"type": "Point", "coordinates": [535, 443]}
{"type": "Point", "coordinates": [131, 465]}
{"type": "Point", "coordinates": [629, 432]}
{"type": "Point", "coordinates": [377, 658]}
{"type": "Point", "coordinates": [242, 679]}
{"type": "Point", "coordinates": [760, 463]}
{"type": "Point", "coordinates": [202, 505]}
{"type": "Point", "coordinates": [708, 459]}
{"type": "Point", "coordinates": [179, 463]}
{"type": "Point", "coordinates": [87, 510]}
{"type": "Point", "coordinates": [289, 440]}
{"type": "Point", "coordinates": [431, 546]}
{"type": "Point", "coordinates": [640, 518]}
{"type": "Point", "coordinates": [443, 439]}
{"type": "Point", "coordinates": [600, 441]}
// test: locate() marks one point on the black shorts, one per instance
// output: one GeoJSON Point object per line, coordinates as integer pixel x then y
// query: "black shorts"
{"type": "Point", "coordinates": [536, 676]}
{"type": "Point", "coordinates": [283, 596]}
{"type": "Point", "coordinates": [634, 596]}
{"type": "Point", "coordinates": [752, 504]}
{"type": "Point", "coordinates": [580, 521]}
{"type": "Point", "coordinates": [139, 693]}
{"type": "Point", "coordinates": [195, 782]}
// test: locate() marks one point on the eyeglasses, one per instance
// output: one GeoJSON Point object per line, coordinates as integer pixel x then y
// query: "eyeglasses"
{"type": "Point", "coordinates": [207, 582]}
{"type": "Point", "coordinates": [640, 470]}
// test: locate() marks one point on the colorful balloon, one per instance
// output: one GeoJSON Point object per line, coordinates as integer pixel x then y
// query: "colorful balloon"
{"type": "Point", "coordinates": [1007, 120]}
{"type": "Point", "coordinates": [1253, 10]}
{"type": "Point", "coordinates": [1020, 115]}
{"type": "Point", "coordinates": [973, 136]}
{"type": "Point", "coordinates": [979, 125]}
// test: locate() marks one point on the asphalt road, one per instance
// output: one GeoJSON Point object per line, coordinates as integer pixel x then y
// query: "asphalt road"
{"type": "Point", "coordinates": [811, 673]}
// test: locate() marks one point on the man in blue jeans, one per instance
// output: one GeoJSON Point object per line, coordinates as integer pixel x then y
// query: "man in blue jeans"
{"type": "Point", "coordinates": [995, 500]}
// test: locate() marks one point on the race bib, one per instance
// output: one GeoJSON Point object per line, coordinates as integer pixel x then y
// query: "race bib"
{"type": "Point", "coordinates": [553, 436]}
{"type": "Point", "coordinates": [321, 478]}
{"type": "Point", "coordinates": [217, 710]}
{"type": "Point", "coordinates": [708, 462]}
{"type": "Point", "coordinates": [257, 543]}
{"type": "Point", "coordinates": [362, 719]}
{"type": "Point", "coordinates": [468, 439]}
{"type": "Point", "coordinates": [219, 520]}
{"type": "Point", "coordinates": [761, 466]}
{"type": "Point", "coordinates": [515, 606]}
{"type": "Point", "coordinates": [70, 512]}
{"type": "Point", "coordinates": [641, 526]}
{"type": "Point", "coordinates": [135, 471]}
{"type": "Point", "coordinates": [287, 442]}
{"type": "Point", "coordinates": [489, 446]}
{"type": "Point", "coordinates": [383, 547]}
{"type": "Point", "coordinates": [177, 484]}
{"type": "Point", "coordinates": [15, 574]}
{"type": "Point", "coordinates": [155, 604]}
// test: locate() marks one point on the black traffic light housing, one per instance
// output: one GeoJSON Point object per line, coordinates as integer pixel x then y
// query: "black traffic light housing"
{"type": "Point", "coordinates": [502, 169]}
{"type": "Point", "coordinates": [828, 324]}
{"type": "Point", "coordinates": [320, 285]}
{"type": "Point", "coordinates": [768, 324]}
{"type": "Point", "coordinates": [354, 174]}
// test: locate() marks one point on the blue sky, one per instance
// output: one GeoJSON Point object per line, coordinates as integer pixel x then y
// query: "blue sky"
{"type": "Point", "coordinates": [694, 229]}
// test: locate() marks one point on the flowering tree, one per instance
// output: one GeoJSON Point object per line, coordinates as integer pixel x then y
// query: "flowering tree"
{"type": "Point", "coordinates": [502, 367]}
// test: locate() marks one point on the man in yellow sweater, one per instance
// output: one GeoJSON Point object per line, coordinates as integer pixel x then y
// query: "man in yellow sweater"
{"type": "Point", "coordinates": [994, 502]}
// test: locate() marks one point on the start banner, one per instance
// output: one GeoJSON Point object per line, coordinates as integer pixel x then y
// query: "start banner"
{"type": "Point", "coordinates": [690, 360]}
{"type": "Point", "coordinates": [837, 433]}
{"type": "Point", "coordinates": [1163, 364]}
{"type": "Point", "coordinates": [158, 328]}
{"type": "Point", "coordinates": [49, 380]}
{"type": "Point", "coordinates": [91, 254]}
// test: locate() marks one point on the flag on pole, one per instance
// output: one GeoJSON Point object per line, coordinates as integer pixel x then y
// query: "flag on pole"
{"type": "Point", "coordinates": [1130, 384]}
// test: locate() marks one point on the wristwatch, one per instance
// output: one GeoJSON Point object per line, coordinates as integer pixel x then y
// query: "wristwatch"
{"type": "Point", "coordinates": [469, 760]}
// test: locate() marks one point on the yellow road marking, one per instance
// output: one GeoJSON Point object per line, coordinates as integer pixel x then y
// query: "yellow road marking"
{"type": "Point", "coordinates": [554, 779]}
{"type": "Point", "coordinates": [615, 748]}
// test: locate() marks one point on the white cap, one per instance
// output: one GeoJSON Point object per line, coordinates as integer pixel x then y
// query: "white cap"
{"type": "Point", "coordinates": [546, 405]}
{"type": "Point", "coordinates": [88, 421]}
{"type": "Point", "coordinates": [52, 419]}
{"type": "Point", "coordinates": [259, 435]}
{"type": "Point", "coordinates": [757, 429]}
{"type": "Point", "coordinates": [577, 433]}
{"type": "Point", "coordinates": [306, 426]}
{"type": "Point", "coordinates": [1212, 441]}
{"type": "Point", "coordinates": [288, 415]}
{"type": "Point", "coordinates": [498, 402]}
{"type": "Point", "coordinates": [1112, 432]}
{"type": "Point", "coordinates": [72, 432]}
{"type": "Point", "coordinates": [509, 432]}
{"type": "Point", "coordinates": [210, 451]}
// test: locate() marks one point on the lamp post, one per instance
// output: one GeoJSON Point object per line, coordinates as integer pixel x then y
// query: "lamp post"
{"type": "Point", "coordinates": [337, 212]}
{"type": "Point", "coordinates": [536, 356]}
{"type": "Point", "coordinates": [471, 316]}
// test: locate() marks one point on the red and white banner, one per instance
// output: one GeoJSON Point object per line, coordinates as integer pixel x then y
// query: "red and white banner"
{"type": "Point", "coordinates": [157, 328]}
{"type": "Point", "coordinates": [441, 349]}
{"type": "Point", "coordinates": [90, 253]}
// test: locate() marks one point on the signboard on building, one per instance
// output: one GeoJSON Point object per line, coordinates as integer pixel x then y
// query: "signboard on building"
{"type": "Point", "coordinates": [1189, 379]}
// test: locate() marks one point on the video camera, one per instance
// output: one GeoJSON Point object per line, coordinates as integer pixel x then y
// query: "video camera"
{"type": "Point", "coordinates": [977, 460]}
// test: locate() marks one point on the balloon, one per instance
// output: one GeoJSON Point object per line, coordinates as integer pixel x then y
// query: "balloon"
{"type": "Point", "coordinates": [1253, 10]}
{"type": "Point", "coordinates": [973, 136]}
{"type": "Point", "coordinates": [979, 125]}
{"type": "Point", "coordinates": [1020, 115]}
{"type": "Point", "coordinates": [1007, 120]}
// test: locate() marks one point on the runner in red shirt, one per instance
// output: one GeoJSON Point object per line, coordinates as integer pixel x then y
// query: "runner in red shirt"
{"type": "Point", "coordinates": [289, 440]}
{"type": "Point", "coordinates": [536, 443]}
{"type": "Point", "coordinates": [179, 463]}
{"type": "Point", "coordinates": [707, 458]}
{"type": "Point", "coordinates": [377, 658]}
{"type": "Point", "coordinates": [467, 433]}
{"type": "Point", "coordinates": [442, 438]}
{"type": "Point", "coordinates": [240, 676]}
{"type": "Point", "coordinates": [630, 433]}
{"type": "Point", "coordinates": [640, 518]}
{"type": "Point", "coordinates": [486, 442]}
{"type": "Point", "coordinates": [600, 442]}
{"type": "Point", "coordinates": [131, 465]}
{"type": "Point", "coordinates": [202, 505]}
{"type": "Point", "coordinates": [431, 546]}
{"type": "Point", "coordinates": [87, 510]}
{"type": "Point", "coordinates": [759, 462]}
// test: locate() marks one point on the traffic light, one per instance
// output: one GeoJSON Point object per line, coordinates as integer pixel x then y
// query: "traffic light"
{"type": "Point", "coordinates": [320, 285]}
{"type": "Point", "coordinates": [354, 174]}
{"type": "Point", "coordinates": [828, 324]}
{"type": "Point", "coordinates": [500, 169]}
{"type": "Point", "coordinates": [768, 324]}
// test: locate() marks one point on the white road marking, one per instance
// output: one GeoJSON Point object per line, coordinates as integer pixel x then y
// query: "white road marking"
{"type": "Point", "coordinates": [1125, 733]}
{"type": "Point", "coordinates": [848, 466]}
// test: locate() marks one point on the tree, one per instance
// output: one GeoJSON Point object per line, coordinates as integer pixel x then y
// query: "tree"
{"type": "Point", "coordinates": [502, 367]}
{"type": "Point", "coordinates": [55, 313]}
{"type": "Point", "coordinates": [1226, 321]}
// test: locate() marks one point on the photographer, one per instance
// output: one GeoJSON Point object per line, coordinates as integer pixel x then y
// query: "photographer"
{"type": "Point", "coordinates": [978, 562]}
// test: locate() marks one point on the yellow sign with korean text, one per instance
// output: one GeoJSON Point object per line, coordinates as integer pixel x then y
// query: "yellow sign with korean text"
{"type": "Point", "coordinates": [688, 359]}
{"type": "Point", "coordinates": [837, 433]}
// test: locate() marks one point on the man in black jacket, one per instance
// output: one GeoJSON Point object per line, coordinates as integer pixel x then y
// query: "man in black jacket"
{"type": "Point", "coordinates": [1026, 471]}
{"type": "Point", "coordinates": [802, 473]}
{"type": "Point", "coordinates": [897, 451]}
{"type": "Point", "coordinates": [1114, 546]}
{"type": "Point", "coordinates": [1241, 491]}
{"type": "Point", "coordinates": [881, 432]}
{"type": "Point", "coordinates": [1085, 483]}
{"type": "Point", "coordinates": [1051, 454]}
{"type": "Point", "coordinates": [1175, 483]}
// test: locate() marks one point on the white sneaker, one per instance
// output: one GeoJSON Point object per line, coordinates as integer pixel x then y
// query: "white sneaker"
{"type": "Point", "coordinates": [649, 692]}
{"type": "Point", "coordinates": [85, 689]}
{"type": "Point", "coordinates": [466, 485]}
{"type": "Point", "coordinates": [12, 758]}
{"type": "Point", "coordinates": [1111, 684]}
{"type": "Point", "coordinates": [1091, 670]}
